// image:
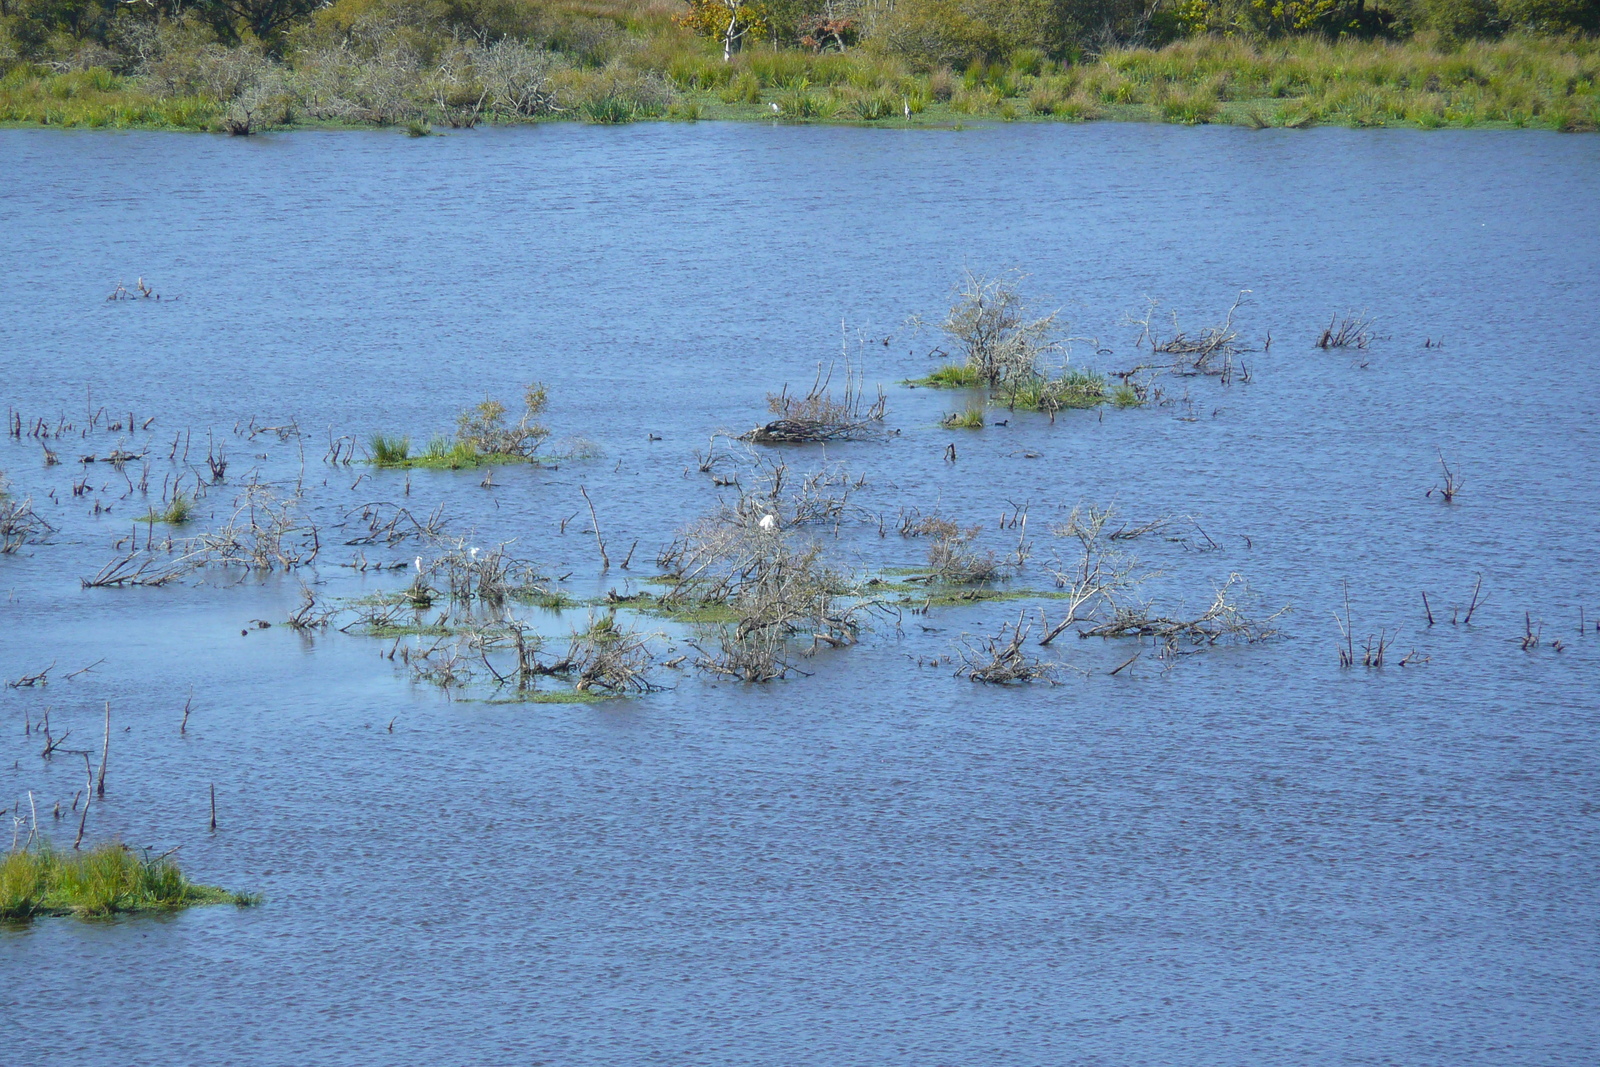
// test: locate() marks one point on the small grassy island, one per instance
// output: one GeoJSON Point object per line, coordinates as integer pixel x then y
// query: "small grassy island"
{"type": "Point", "coordinates": [482, 436]}
{"type": "Point", "coordinates": [109, 879]}
{"type": "Point", "coordinates": [242, 66]}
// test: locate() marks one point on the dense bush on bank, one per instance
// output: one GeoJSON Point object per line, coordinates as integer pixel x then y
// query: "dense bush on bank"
{"type": "Point", "coordinates": [245, 65]}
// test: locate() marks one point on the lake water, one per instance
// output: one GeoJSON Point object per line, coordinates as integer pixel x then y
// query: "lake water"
{"type": "Point", "coordinates": [1248, 855]}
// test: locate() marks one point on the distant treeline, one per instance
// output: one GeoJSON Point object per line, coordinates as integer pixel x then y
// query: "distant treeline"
{"type": "Point", "coordinates": [242, 65]}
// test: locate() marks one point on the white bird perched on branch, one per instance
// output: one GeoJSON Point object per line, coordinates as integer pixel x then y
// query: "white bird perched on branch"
{"type": "Point", "coordinates": [769, 522]}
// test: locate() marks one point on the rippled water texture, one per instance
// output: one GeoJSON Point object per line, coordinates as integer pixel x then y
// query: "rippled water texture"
{"type": "Point", "coordinates": [1245, 856]}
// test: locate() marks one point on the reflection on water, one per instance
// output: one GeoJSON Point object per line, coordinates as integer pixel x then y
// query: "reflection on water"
{"type": "Point", "coordinates": [1248, 855]}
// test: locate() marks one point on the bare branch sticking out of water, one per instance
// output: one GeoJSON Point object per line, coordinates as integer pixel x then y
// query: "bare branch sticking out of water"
{"type": "Point", "coordinates": [1352, 331]}
{"type": "Point", "coordinates": [1452, 485]}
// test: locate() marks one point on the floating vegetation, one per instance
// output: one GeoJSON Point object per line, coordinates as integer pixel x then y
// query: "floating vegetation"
{"type": "Point", "coordinates": [37, 880]}
{"type": "Point", "coordinates": [750, 589]}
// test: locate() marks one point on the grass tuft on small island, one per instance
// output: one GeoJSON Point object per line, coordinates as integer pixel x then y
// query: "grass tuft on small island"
{"type": "Point", "coordinates": [483, 436]}
{"type": "Point", "coordinates": [177, 512]}
{"type": "Point", "coordinates": [109, 879]}
{"type": "Point", "coordinates": [952, 376]}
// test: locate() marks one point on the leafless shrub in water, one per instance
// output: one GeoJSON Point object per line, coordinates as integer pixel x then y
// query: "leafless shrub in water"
{"type": "Point", "coordinates": [999, 660]}
{"type": "Point", "coordinates": [996, 331]}
{"type": "Point", "coordinates": [609, 658]}
{"type": "Point", "coordinates": [1098, 572]}
{"type": "Point", "coordinates": [818, 416]}
{"type": "Point", "coordinates": [266, 531]}
{"type": "Point", "coordinates": [1210, 352]}
{"type": "Point", "coordinates": [19, 523]}
{"type": "Point", "coordinates": [773, 587]}
{"type": "Point", "coordinates": [1452, 485]}
{"type": "Point", "coordinates": [951, 557]}
{"type": "Point", "coordinates": [1351, 331]}
{"type": "Point", "coordinates": [1228, 619]}
{"type": "Point", "coordinates": [310, 615]}
{"type": "Point", "coordinates": [488, 576]}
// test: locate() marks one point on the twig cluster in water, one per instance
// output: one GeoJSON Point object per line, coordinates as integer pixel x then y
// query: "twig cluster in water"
{"type": "Point", "coordinates": [1351, 331]}
{"type": "Point", "coordinates": [999, 660]}
{"type": "Point", "coordinates": [818, 416]}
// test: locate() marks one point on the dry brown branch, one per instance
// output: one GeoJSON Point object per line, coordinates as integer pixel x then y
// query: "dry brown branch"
{"type": "Point", "coordinates": [391, 524]}
{"type": "Point", "coordinates": [1211, 352]}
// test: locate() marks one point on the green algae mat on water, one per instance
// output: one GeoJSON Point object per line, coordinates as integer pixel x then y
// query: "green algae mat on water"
{"type": "Point", "coordinates": [108, 879]}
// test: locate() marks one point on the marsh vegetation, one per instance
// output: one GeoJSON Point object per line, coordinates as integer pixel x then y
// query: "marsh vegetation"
{"type": "Point", "coordinates": [248, 66]}
{"type": "Point", "coordinates": [39, 880]}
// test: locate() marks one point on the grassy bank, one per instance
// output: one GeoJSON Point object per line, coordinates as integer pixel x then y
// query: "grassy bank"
{"type": "Point", "coordinates": [1528, 82]}
{"type": "Point", "coordinates": [106, 880]}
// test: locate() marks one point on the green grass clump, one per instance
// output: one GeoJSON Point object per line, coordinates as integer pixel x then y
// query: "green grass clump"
{"type": "Point", "coordinates": [441, 454]}
{"type": "Point", "coordinates": [553, 696]}
{"type": "Point", "coordinates": [1126, 396]}
{"type": "Point", "coordinates": [106, 880]}
{"type": "Point", "coordinates": [609, 111]}
{"type": "Point", "coordinates": [389, 451]}
{"type": "Point", "coordinates": [690, 611]}
{"type": "Point", "coordinates": [552, 600]}
{"type": "Point", "coordinates": [179, 510]}
{"type": "Point", "coordinates": [970, 419]}
{"type": "Point", "coordinates": [1074, 389]}
{"type": "Point", "coordinates": [953, 376]}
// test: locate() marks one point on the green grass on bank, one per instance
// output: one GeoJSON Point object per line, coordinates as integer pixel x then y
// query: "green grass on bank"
{"type": "Point", "coordinates": [1547, 83]}
{"type": "Point", "coordinates": [108, 879]}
